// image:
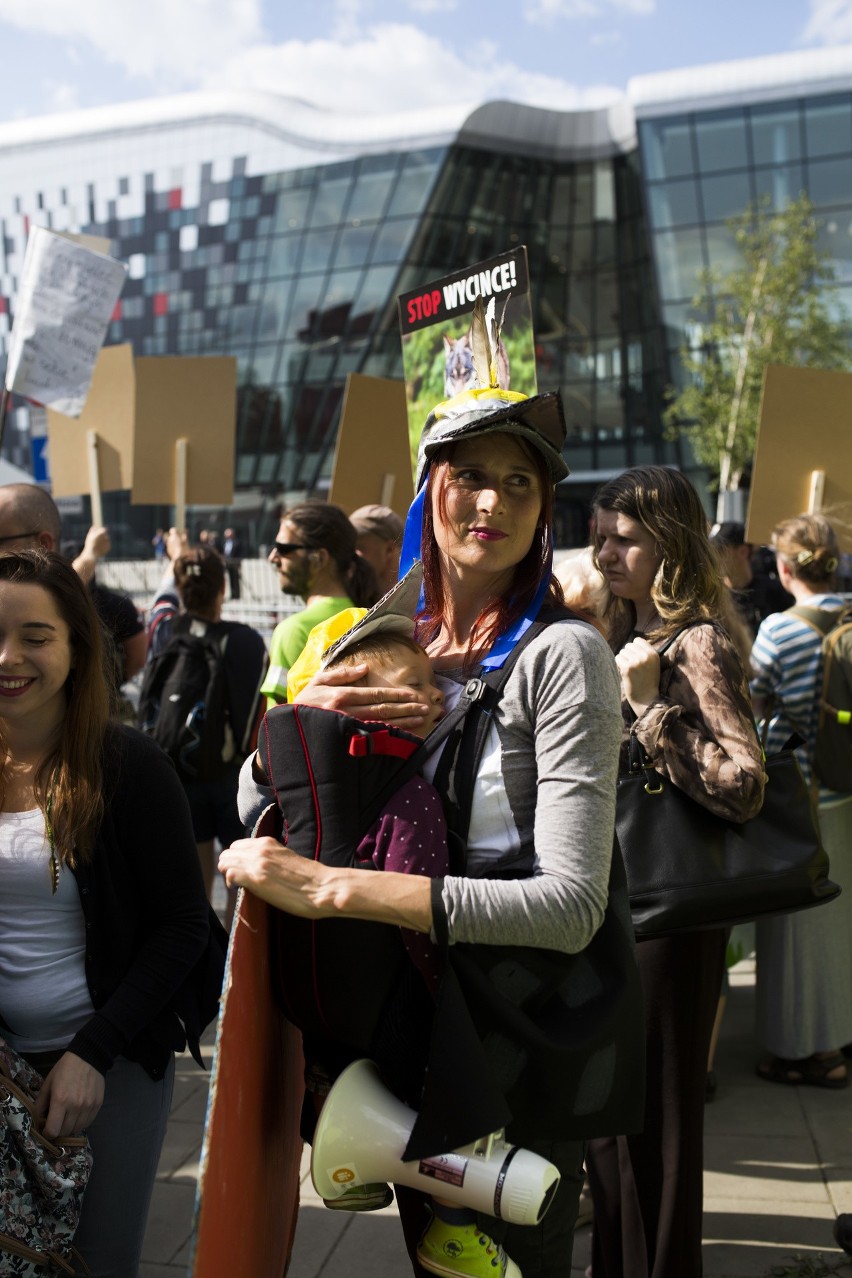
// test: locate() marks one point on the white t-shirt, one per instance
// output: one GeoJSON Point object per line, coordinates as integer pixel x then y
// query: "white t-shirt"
{"type": "Point", "coordinates": [44, 998]}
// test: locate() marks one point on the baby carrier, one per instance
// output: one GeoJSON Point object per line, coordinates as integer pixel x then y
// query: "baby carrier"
{"type": "Point", "coordinates": [512, 1024]}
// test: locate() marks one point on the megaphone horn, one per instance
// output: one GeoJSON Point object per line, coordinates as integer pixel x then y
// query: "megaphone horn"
{"type": "Point", "coordinates": [362, 1134]}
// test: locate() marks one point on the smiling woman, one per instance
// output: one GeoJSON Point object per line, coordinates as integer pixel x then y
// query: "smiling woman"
{"type": "Point", "coordinates": [93, 953]}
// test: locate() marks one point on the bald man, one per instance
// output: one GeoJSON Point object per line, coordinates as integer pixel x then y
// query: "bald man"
{"type": "Point", "coordinates": [30, 520]}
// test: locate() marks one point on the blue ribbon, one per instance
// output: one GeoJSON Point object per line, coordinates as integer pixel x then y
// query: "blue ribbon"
{"type": "Point", "coordinates": [504, 643]}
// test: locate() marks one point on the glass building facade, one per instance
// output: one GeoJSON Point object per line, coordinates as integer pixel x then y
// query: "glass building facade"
{"type": "Point", "coordinates": [261, 228]}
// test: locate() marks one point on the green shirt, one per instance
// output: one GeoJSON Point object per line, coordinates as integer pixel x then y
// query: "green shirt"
{"type": "Point", "coordinates": [288, 640]}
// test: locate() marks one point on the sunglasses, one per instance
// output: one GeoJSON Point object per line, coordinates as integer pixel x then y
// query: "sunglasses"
{"type": "Point", "coordinates": [19, 536]}
{"type": "Point", "coordinates": [285, 548]}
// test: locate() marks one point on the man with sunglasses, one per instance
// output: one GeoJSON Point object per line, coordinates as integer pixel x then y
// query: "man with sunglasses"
{"type": "Point", "coordinates": [315, 555]}
{"type": "Point", "coordinates": [30, 520]}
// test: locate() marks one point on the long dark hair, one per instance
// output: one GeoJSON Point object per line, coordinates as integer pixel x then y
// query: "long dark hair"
{"type": "Point", "coordinates": [322, 526]}
{"type": "Point", "coordinates": [688, 586]}
{"type": "Point", "coordinates": [498, 614]}
{"type": "Point", "coordinates": [70, 779]}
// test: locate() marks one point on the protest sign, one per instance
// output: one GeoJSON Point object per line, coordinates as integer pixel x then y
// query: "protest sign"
{"type": "Point", "coordinates": [65, 299]}
{"type": "Point", "coordinates": [162, 426]}
{"type": "Point", "coordinates": [803, 456]}
{"type": "Point", "coordinates": [435, 325]}
{"type": "Point", "coordinates": [372, 461]}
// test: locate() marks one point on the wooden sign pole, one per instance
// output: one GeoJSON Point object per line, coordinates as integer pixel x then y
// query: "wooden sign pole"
{"type": "Point", "coordinates": [180, 484]}
{"type": "Point", "coordinates": [816, 492]}
{"type": "Point", "coordinates": [94, 478]}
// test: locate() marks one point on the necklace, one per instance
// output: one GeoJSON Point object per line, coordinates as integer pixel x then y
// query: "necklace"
{"type": "Point", "coordinates": [645, 624]}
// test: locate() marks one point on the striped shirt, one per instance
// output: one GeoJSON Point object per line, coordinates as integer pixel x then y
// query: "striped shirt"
{"type": "Point", "coordinates": [787, 664]}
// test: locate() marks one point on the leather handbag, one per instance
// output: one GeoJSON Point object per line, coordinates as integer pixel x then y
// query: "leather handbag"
{"type": "Point", "coordinates": [42, 1184]}
{"type": "Point", "coordinates": [688, 869]}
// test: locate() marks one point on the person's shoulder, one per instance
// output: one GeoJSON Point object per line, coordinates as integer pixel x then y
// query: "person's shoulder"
{"type": "Point", "coordinates": [568, 634]}
{"type": "Point", "coordinates": [127, 749]}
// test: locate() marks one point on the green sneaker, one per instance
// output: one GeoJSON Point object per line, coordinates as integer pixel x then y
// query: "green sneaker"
{"type": "Point", "coordinates": [463, 1251]}
{"type": "Point", "coordinates": [362, 1198]}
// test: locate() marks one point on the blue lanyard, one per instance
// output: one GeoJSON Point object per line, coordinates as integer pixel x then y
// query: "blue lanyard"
{"type": "Point", "coordinates": [504, 643]}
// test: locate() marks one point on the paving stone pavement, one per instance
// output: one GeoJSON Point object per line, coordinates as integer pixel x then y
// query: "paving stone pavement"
{"type": "Point", "coordinates": [778, 1168]}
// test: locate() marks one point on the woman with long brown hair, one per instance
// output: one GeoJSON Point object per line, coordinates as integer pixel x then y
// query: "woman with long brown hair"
{"type": "Point", "coordinates": [102, 910]}
{"type": "Point", "coordinates": [690, 711]}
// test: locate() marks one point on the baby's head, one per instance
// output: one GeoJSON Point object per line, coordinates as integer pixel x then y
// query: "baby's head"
{"type": "Point", "coordinates": [395, 661]}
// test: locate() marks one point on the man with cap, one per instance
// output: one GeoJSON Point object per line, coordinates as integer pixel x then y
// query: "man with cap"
{"type": "Point", "coordinates": [755, 595]}
{"type": "Point", "coordinates": [379, 532]}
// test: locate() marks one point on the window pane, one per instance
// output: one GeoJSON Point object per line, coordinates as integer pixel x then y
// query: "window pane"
{"type": "Point", "coordinates": [725, 196]}
{"type": "Point", "coordinates": [830, 181]}
{"type": "Point", "coordinates": [679, 259]}
{"type": "Point", "coordinates": [370, 195]}
{"type": "Point", "coordinates": [780, 186]}
{"type": "Point", "coordinates": [775, 136]}
{"type": "Point", "coordinates": [331, 198]}
{"type": "Point", "coordinates": [721, 142]}
{"type": "Point", "coordinates": [667, 148]}
{"type": "Point", "coordinates": [828, 126]}
{"type": "Point", "coordinates": [674, 204]}
{"type": "Point", "coordinates": [415, 183]}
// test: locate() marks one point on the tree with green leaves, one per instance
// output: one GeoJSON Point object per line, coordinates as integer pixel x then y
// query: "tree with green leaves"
{"type": "Point", "coordinates": [770, 310]}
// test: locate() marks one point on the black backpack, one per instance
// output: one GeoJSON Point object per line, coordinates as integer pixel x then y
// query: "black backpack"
{"type": "Point", "coordinates": [183, 702]}
{"type": "Point", "coordinates": [351, 981]}
{"type": "Point", "coordinates": [832, 754]}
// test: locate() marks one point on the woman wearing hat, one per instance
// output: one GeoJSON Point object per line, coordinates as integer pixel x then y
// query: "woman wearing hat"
{"type": "Point", "coordinates": [539, 888]}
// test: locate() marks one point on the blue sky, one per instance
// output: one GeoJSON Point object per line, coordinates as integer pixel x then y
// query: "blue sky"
{"type": "Point", "coordinates": [367, 55]}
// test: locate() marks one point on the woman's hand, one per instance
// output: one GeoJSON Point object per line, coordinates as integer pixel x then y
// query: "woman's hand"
{"type": "Point", "coordinates": [639, 666]}
{"type": "Point", "coordinates": [282, 878]}
{"type": "Point", "coordinates": [405, 708]}
{"type": "Point", "coordinates": [315, 891]}
{"type": "Point", "coordinates": [70, 1097]}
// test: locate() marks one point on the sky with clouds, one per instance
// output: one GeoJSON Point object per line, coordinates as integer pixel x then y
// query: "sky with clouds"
{"type": "Point", "coordinates": [374, 56]}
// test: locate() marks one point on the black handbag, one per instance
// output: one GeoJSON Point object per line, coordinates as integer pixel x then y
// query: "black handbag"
{"type": "Point", "coordinates": [688, 869]}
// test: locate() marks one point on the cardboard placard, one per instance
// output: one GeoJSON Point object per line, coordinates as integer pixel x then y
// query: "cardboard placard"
{"type": "Point", "coordinates": [192, 398]}
{"type": "Point", "coordinates": [805, 427]}
{"type": "Point", "coordinates": [372, 460]}
{"type": "Point", "coordinates": [110, 412]}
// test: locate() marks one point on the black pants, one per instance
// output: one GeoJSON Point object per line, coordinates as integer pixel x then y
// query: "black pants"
{"type": "Point", "coordinates": [647, 1189]}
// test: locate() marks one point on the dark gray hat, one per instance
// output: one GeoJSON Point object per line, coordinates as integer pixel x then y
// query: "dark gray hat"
{"type": "Point", "coordinates": [537, 419]}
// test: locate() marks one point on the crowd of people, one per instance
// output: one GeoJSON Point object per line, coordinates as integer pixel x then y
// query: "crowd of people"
{"type": "Point", "coordinates": [517, 692]}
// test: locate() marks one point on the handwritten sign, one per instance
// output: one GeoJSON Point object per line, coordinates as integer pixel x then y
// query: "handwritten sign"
{"type": "Point", "coordinates": [66, 297]}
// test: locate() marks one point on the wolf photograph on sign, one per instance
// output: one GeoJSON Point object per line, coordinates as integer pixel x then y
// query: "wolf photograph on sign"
{"type": "Point", "coordinates": [437, 339]}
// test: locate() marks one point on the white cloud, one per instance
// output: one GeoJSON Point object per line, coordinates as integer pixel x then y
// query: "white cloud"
{"type": "Point", "coordinates": [393, 67]}
{"type": "Point", "coordinates": [433, 6]}
{"type": "Point", "coordinates": [161, 41]}
{"type": "Point", "coordinates": [544, 12]}
{"type": "Point", "coordinates": [830, 22]}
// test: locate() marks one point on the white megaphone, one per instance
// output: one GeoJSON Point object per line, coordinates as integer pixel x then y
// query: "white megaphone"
{"type": "Point", "coordinates": [362, 1134]}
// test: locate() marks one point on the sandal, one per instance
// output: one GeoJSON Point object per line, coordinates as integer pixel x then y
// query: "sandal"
{"type": "Point", "coordinates": [813, 1070]}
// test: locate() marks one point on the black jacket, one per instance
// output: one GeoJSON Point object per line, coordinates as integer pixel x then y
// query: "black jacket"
{"type": "Point", "coordinates": [152, 948]}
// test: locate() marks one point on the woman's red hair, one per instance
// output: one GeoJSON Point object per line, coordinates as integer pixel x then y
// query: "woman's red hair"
{"type": "Point", "coordinates": [499, 614]}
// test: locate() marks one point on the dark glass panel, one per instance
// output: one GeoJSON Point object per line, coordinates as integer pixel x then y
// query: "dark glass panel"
{"type": "Point", "coordinates": [725, 195]}
{"type": "Point", "coordinates": [414, 183]}
{"type": "Point", "coordinates": [830, 181]}
{"type": "Point", "coordinates": [775, 134]}
{"type": "Point", "coordinates": [679, 257]}
{"type": "Point", "coordinates": [293, 209]}
{"type": "Point", "coordinates": [828, 126]}
{"type": "Point", "coordinates": [353, 246]}
{"type": "Point", "coordinates": [371, 194]}
{"type": "Point", "coordinates": [779, 186]}
{"type": "Point", "coordinates": [666, 148]}
{"type": "Point", "coordinates": [284, 255]}
{"type": "Point", "coordinates": [392, 240]}
{"type": "Point", "coordinates": [674, 204]}
{"type": "Point", "coordinates": [721, 141]}
{"type": "Point", "coordinates": [331, 198]}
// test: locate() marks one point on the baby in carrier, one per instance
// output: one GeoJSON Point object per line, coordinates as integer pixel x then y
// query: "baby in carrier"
{"type": "Point", "coordinates": [409, 836]}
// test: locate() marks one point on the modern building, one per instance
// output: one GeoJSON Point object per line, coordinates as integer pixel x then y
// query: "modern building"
{"type": "Point", "coordinates": [258, 226]}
